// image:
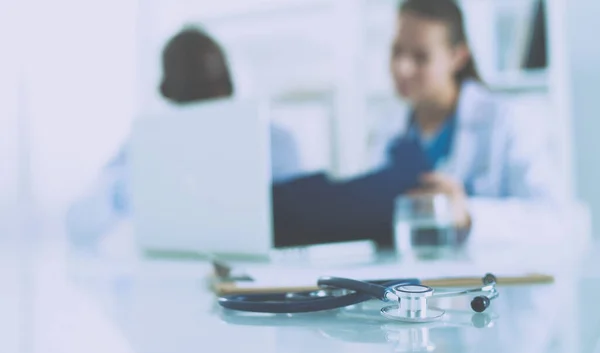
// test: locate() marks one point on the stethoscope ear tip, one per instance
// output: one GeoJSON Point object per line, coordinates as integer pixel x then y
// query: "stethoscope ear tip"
{"type": "Point", "coordinates": [489, 279]}
{"type": "Point", "coordinates": [480, 303]}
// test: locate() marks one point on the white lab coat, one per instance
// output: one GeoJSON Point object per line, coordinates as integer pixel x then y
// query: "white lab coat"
{"type": "Point", "coordinates": [497, 150]}
{"type": "Point", "coordinates": [504, 155]}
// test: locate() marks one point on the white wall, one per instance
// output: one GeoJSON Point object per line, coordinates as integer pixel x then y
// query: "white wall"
{"type": "Point", "coordinates": [8, 121]}
{"type": "Point", "coordinates": [10, 320]}
{"type": "Point", "coordinates": [583, 48]}
{"type": "Point", "coordinates": [80, 92]}
{"type": "Point", "coordinates": [12, 184]}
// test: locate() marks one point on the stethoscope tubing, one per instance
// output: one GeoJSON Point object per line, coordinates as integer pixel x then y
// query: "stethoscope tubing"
{"type": "Point", "coordinates": [280, 303]}
{"type": "Point", "coordinates": [374, 290]}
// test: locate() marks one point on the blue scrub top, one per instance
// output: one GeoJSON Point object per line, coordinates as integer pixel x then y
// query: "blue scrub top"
{"type": "Point", "coordinates": [438, 147]}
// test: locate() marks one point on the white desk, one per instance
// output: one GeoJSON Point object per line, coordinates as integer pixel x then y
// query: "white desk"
{"type": "Point", "coordinates": [131, 306]}
{"type": "Point", "coordinates": [148, 311]}
{"type": "Point", "coordinates": [157, 316]}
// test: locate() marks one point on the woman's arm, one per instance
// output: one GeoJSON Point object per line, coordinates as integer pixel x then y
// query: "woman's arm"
{"type": "Point", "coordinates": [313, 209]}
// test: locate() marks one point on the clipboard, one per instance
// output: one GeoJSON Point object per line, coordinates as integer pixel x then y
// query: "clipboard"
{"type": "Point", "coordinates": [230, 287]}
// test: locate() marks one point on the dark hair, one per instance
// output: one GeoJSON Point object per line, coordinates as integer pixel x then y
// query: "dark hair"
{"type": "Point", "coordinates": [194, 68]}
{"type": "Point", "coordinates": [448, 12]}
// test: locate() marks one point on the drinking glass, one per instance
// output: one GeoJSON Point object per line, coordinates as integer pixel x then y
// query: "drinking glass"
{"type": "Point", "coordinates": [424, 226]}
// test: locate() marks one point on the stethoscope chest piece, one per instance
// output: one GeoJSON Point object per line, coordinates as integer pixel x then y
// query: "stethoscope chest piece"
{"type": "Point", "coordinates": [412, 305]}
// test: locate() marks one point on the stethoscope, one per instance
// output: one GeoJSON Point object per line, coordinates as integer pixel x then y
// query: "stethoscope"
{"type": "Point", "coordinates": [409, 295]}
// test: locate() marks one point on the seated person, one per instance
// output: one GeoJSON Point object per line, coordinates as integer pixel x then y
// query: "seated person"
{"type": "Point", "coordinates": [477, 141]}
{"type": "Point", "coordinates": [194, 70]}
{"type": "Point", "coordinates": [474, 143]}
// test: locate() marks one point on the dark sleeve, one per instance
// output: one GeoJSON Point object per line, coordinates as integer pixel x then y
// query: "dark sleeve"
{"type": "Point", "coordinates": [314, 209]}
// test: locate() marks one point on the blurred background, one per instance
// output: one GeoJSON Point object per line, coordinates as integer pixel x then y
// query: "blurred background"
{"type": "Point", "coordinates": [75, 74]}
{"type": "Point", "coordinates": [80, 73]}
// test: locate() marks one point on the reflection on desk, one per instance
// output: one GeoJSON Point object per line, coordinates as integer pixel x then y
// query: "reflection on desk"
{"type": "Point", "coordinates": [156, 314]}
{"type": "Point", "coordinates": [156, 306]}
{"type": "Point", "coordinates": [459, 330]}
{"type": "Point", "coordinates": [363, 324]}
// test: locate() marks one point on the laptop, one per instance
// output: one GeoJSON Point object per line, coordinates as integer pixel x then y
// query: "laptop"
{"type": "Point", "coordinates": [201, 180]}
{"type": "Point", "coordinates": [201, 187]}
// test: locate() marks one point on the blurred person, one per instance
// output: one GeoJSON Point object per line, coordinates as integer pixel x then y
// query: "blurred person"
{"type": "Point", "coordinates": [478, 143]}
{"type": "Point", "coordinates": [472, 145]}
{"type": "Point", "coordinates": [195, 70]}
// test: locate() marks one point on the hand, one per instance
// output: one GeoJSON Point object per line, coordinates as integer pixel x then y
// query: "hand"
{"type": "Point", "coordinates": [435, 183]}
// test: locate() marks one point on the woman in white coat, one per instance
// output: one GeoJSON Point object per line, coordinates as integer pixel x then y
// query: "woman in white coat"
{"type": "Point", "coordinates": [480, 146]}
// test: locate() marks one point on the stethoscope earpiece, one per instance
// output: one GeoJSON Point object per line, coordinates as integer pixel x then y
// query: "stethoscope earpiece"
{"type": "Point", "coordinates": [489, 279]}
{"type": "Point", "coordinates": [480, 303]}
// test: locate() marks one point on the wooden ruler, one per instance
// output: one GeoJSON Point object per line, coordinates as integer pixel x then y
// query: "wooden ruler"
{"type": "Point", "coordinates": [249, 287]}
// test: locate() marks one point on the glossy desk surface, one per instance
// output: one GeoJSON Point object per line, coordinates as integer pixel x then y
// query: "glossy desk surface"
{"type": "Point", "coordinates": [97, 303]}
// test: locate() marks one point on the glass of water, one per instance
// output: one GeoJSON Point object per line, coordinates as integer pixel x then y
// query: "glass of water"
{"type": "Point", "coordinates": [424, 226]}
